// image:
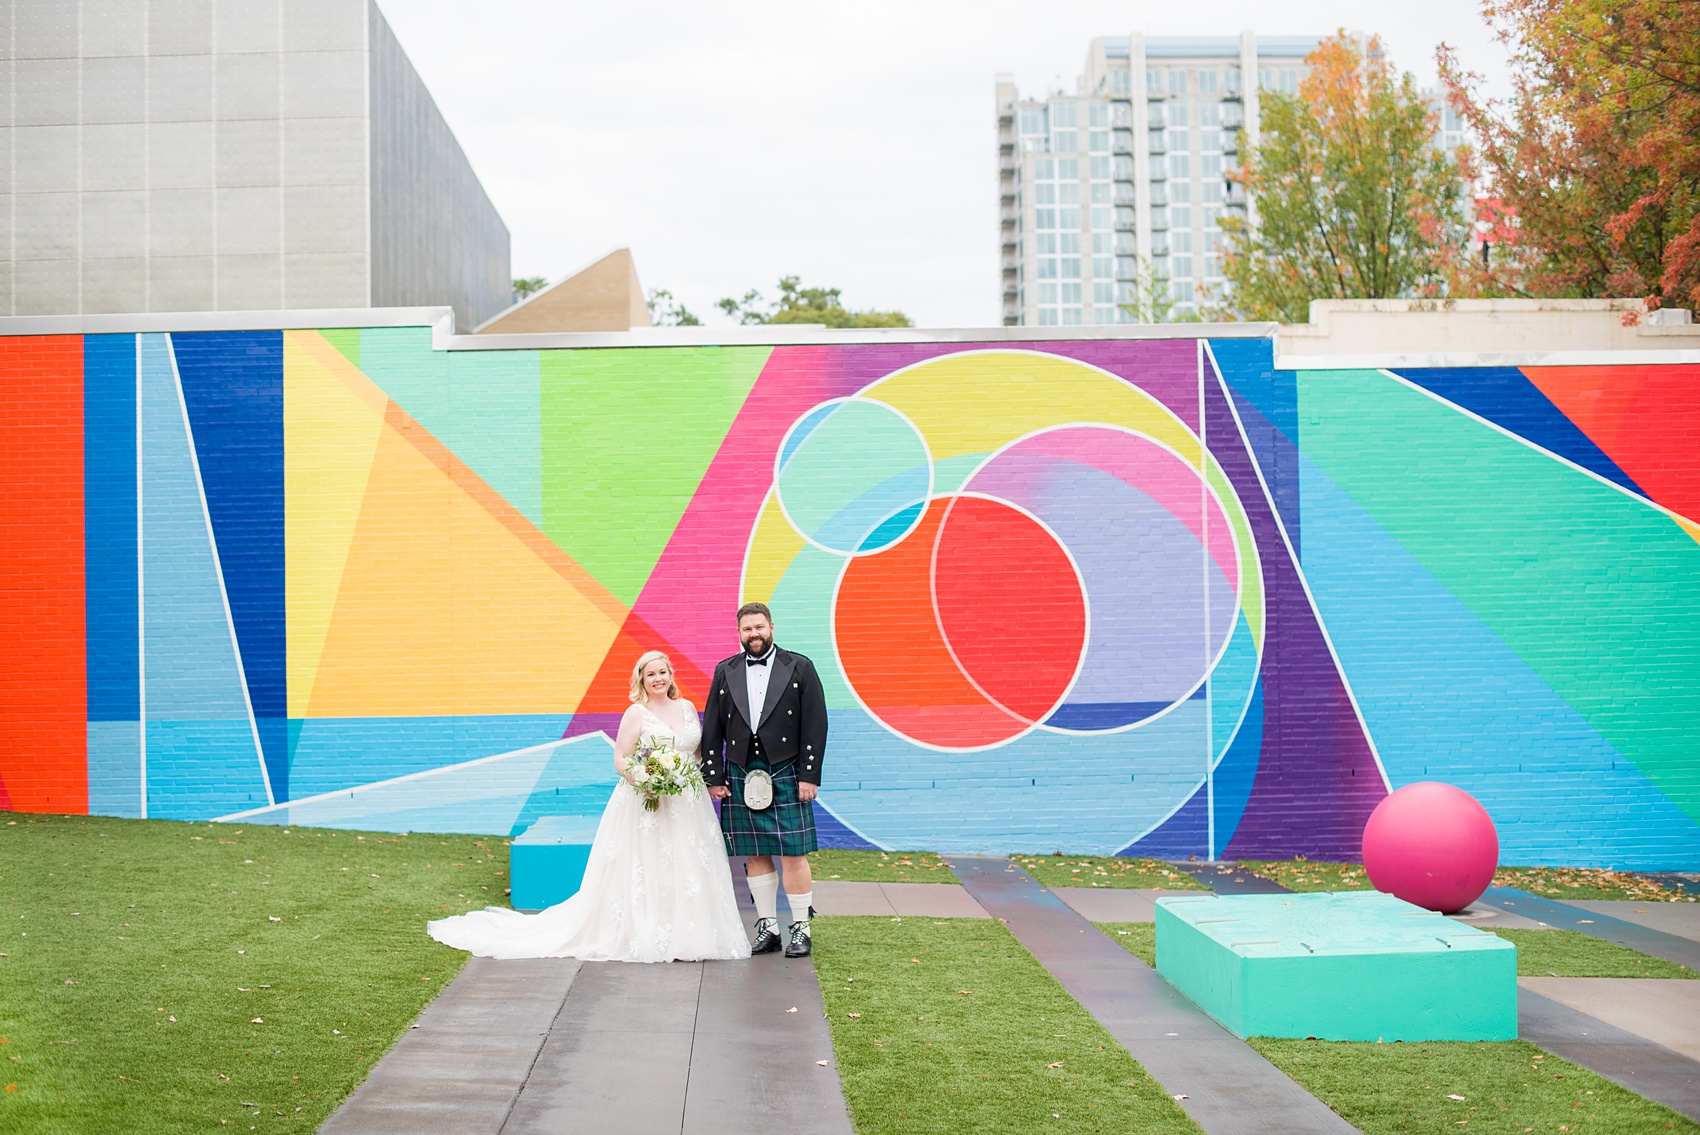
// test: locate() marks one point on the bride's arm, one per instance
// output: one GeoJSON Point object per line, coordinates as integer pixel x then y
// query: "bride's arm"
{"type": "Point", "coordinates": [696, 753]}
{"type": "Point", "coordinates": [626, 740]}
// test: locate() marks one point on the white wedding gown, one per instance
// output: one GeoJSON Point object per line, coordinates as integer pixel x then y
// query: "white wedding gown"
{"type": "Point", "coordinates": [657, 888]}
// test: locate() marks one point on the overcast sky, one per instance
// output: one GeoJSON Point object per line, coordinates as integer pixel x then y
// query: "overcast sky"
{"type": "Point", "coordinates": [728, 144]}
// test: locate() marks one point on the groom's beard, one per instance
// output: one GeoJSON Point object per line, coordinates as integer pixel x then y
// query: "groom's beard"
{"type": "Point", "coordinates": [756, 646]}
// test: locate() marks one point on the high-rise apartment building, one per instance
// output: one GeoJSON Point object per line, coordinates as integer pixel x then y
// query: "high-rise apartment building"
{"type": "Point", "coordinates": [1123, 181]}
{"type": "Point", "coordinates": [219, 155]}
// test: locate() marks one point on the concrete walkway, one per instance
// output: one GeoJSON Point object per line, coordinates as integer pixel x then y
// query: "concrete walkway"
{"type": "Point", "coordinates": [1222, 1083]}
{"type": "Point", "coordinates": [925, 900]}
{"type": "Point", "coordinates": [1565, 916]}
{"type": "Point", "coordinates": [1646, 1068]}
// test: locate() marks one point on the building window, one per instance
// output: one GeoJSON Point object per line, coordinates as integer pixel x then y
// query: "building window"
{"type": "Point", "coordinates": [1104, 314]}
{"type": "Point", "coordinates": [1211, 165]}
{"type": "Point", "coordinates": [1047, 293]}
{"type": "Point", "coordinates": [1047, 317]}
{"type": "Point", "coordinates": [1068, 192]}
{"type": "Point", "coordinates": [1070, 243]}
{"type": "Point", "coordinates": [1100, 243]}
{"type": "Point", "coordinates": [1181, 290]}
{"type": "Point", "coordinates": [1181, 192]}
{"type": "Point", "coordinates": [1071, 316]}
{"type": "Point", "coordinates": [1289, 81]}
{"type": "Point", "coordinates": [1045, 218]}
{"type": "Point", "coordinates": [1210, 140]}
{"type": "Point", "coordinates": [1153, 82]}
{"type": "Point", "coordinates": [1071, 292]}
{"type": "Point", "coordinates": [1103, 267]}
{"type": "Point", "coordinates": [1179, 141]}
{"type": "Point", "coordinates": [1100, 169]}
{"type": "Point", "coordinates": [1180, 166]}
{"type": "Point", "coordinates": [1232, 80]}
{"type": "Point", "coordinates": [1211, 192]}
{"type": "Point", "coordinates": [1104, 291]}
{"type": "Point", "coordinates": [1126, 267]}
{"type": "Point", "coordinates": [1099, 141]}
{"type": "Point", "coordinates": [1178, 114]}
{"type": "Point", "coordinates": [1045, 194]}
{"type": "Point", "coordinates": [1181, 241]}
{"type": "Point", "coordinates": [1177, 82]}
{"type": "Point", "coordinates": [1207, 82]}
{"type": "Point", "coordinates": [1047, 243]}
{"type": "Point", "coordinates": [1182, 266]}
{"type": "Point", "coordinates": [1100, 193]}
{"type": "Point", "coordinates": [1069, 217]}
{"type": "Point", "coordinates": [1070, 271]}
{"type": "Point", "coordinates": [1065, 141]}
{"type": "Point", "coordinates": [1068, 169]}
{"type": "Point", "coordinates": [1121, 82]}
{"type": "Point", "coordinates": [1123, 168]}
{"type": "Point", "coordinates": [1033, 120]}
{"type": "Point", "coordinates": [1064, 114]}
{"type": "Point", "coordinates": [1098, 114]}
{"type": "Point", "coordinates": [1124, 243]}
{"type": "Point", "coordinates": [1209, 114]}
{"type": "Point", "coordinates": [1048, 268]}
{"type": "Point", "coordinates": [1159, 217]}
{"type": "Point", "coordinates": [1101, 215]}
{"type": "Point", "coordinates": [1045, 168]}
{"type": "Point", "coordinates": [1212, 215]}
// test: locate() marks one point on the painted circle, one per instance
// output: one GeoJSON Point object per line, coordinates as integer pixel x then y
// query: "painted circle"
{"type": "Point", "coordinates": [1431, 844]}
{"type": "Point", "coordinates": [966, 633]}
{"type": "Point", "coordinates": [1156, 554]}
{"type": "Point", "coordinates": [853, 476]}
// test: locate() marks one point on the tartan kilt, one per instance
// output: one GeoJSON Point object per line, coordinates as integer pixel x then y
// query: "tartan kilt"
{"type": "Point", "coordinates": [785, 827]}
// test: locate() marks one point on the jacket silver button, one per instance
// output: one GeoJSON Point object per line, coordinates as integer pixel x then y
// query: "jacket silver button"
{"type": "Point", "coordinates": [787, 713]}
{"type": "Point", "coordinates": [782, 739]}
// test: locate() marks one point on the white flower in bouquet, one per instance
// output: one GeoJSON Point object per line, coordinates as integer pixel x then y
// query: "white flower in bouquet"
{"type": "Point", "coordinates": [658, 769]}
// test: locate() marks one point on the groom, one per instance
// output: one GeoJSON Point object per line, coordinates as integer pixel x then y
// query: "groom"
{"type": "Point", "coordinates": [766, 713]}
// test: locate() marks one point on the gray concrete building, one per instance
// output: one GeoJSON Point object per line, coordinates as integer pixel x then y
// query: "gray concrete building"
{"type": "Point", "coordinates": [1122, 183]}
{"type": "Point", "coordinates": [229, 155]}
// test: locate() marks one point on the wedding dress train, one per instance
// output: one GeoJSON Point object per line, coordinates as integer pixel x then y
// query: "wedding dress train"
{"type": "Point", "coordinates": [657, 888]}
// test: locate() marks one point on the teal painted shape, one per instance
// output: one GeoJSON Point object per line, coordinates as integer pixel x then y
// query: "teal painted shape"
{"type": "Point", "coordinates": [804, 597]}
{"type": "Point", "coordinates": [1446, 699]}
{"type": "Point", "coordinates": [1230, 685]}
{"type": "Point", "coordinates": [1356, 965]}
{"type": "Point", "coordinates": [546, 862]}
{"type": "Point", "coordinates": [196, 706]}
{"type": "Point", "coordinates": [951, 473]}
{"type": "Point", "coordinates": [486, 406]}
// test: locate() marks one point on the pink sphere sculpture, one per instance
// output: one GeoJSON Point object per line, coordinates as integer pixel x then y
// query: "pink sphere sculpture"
{"type": "Point", "coordinates": [1432, 845]}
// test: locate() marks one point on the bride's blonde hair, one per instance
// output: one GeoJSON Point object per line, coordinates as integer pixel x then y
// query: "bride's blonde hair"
{"type": "Point", "coordinates": [639, 693]}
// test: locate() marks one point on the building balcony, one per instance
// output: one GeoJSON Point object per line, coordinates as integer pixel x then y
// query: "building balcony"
{"type": "Point", "coordinates": [1157, 143]}
{"type": "Point", "coordinates": [1232, 117]}
{"type": "Point", "coordinates": [1160, 221]}
{"type": "Point", "coordinates": [1124, 194]}
{"type": "Point", "coordinates": [1159, 194]}
{"type": "Point", "coordinates": [1160, 244]}
{"type": "Point", "coordinates": [1122, 141]}
{"type": "Point", "coordinates": [1007, 216]}
{"type": "Point", "coordinates": [1236, 195]}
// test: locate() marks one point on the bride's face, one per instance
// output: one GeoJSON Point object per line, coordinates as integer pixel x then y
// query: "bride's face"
{"type": "Point", "coordinates": [656, 678]}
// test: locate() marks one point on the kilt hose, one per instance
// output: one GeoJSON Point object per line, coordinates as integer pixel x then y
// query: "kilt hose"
{"type": "Point", "coordinates": [785, 827]}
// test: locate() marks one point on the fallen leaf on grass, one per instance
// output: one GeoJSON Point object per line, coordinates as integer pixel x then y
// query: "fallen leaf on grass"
{"type": "Point", "coordinates": [855, 1014]}
{"type": "Point", "coordinates": [1058, 1064]}
{"type": "Point", "coordinates": [966, 992]}
{"type": "Point", "coordinates": [1455, 1097]}
{"type": "Point", "coordinates": [273, 918]}
{"type": "Point", "coordinates": [792, 1009]}
{"type": "Point", "coordinates": [822, 1063]}
{"type": "Point", "coordinates": [1183, 1097]}
{"type": "Point", "coordinates": [258, 1021]}
{"type": "Point", "coordinates": [173, 1020]}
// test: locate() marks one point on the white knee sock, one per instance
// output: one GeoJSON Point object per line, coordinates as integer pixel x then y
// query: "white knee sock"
{"type": "Point", "coordinates": [764, 892]}
{"type": "Point", "coordinates": [800, 906]}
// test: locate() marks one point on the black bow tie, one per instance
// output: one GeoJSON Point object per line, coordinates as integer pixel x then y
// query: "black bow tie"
{"type": "Point", "coordinates": [763, 661]}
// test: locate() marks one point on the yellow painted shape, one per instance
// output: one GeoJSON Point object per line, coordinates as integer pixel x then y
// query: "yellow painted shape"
{"type": "Point", "coordinates": [329, 436]}
{"type": "Point", "coordinates": [773, 545]}
{"type": "Point", "coordinates": [1015, 393]}
{"type": "Point", "coordinates": [1687, 526]}
{"type": "Point", "coordinates": [446, 610]}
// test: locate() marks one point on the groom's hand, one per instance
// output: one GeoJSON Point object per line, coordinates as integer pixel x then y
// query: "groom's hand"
{"type": "Point", "coordinates": [720, 791]}
{"type": "Point", "coordinates": [806, 791]}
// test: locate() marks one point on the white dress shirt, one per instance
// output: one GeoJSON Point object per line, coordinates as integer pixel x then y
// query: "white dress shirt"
{"type": "Point", "coordinates": [756, 678]}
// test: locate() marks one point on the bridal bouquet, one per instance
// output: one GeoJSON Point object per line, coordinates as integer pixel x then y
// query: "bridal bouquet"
{"type": "Point", "coordinates": [657, 768]}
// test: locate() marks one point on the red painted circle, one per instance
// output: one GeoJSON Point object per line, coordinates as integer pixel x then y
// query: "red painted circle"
{"type": "Point", "coordinates": [1011, 603]}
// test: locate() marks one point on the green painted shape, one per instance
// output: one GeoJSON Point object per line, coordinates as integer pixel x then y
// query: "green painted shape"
{"type": "Point", "coordinates": [949, 473]}
{"type": "Point", "coordinates": [802, 610]}
{"type": "Point", "coordinates": [1598, 591]}
{"type": "Point", "coordinates": [346, 340]}
{"type": "Point", "coordinates": [863, 464]}
{"type": "Point", "coordinates": [483, 405]}
{"type": "Point", "coordinates": [1338, 966]}
{"type": "Point", "coordinates": [626, 437]}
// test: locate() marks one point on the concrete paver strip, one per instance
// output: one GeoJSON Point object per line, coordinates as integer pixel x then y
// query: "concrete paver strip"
{"type": "Point", "coordinates": [851, 898]}
{"type": "Point", "coordinates": [1229, 1088]}
{"type": "Point", "coordinates": [1679, 918]}
{"type": "Point", "coordinates": [1635, 1062]}
{"type": "Point", "coordinates": [1565, 916]}
{"type": "Point", "coordinates": [933, 900]}
{"type": "Point", "coordinates": [1114, 904]}
{"type": "Point", "coordinates": [1663, 1010]}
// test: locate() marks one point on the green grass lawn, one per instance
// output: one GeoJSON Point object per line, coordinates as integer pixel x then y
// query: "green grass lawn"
{"type": "Point", "coordinates": [952, 1026]}
{"type": "Point", "coordinates": [1106, 871]}
{"type": "Point", "coordinates": [1587, 883]}
{"type": "Point", "coordinates": [880, 866]}
{"type": "Point", "coordinates": [1571, 953]}
{"type": "Point", "coordinates": [165, 977]}
{"type": "Point", "coordinates": [1508, 1087]}
{"type": "Point", "coordinates": [1310, 875]}
{"type": "Point", "coordinates": [1139, 938]}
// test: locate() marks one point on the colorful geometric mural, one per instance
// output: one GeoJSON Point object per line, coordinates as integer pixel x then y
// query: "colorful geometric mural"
{"type": "Point", "coordinates": [1117, 596]}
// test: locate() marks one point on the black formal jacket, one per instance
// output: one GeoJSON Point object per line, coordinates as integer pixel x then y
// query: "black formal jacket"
{"type": "Point", "coordinates": [793, 720]}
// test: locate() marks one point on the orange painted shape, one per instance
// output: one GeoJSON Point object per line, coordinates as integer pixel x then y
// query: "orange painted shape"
{"type": "Point", "coordinates": [1645, 418]}
{"type": "Point", "coordinates": [43, 683]}
{"type": "Point", "coordinates": [895, 657]}
{"type": "Point", "coordinates": [610, 690]}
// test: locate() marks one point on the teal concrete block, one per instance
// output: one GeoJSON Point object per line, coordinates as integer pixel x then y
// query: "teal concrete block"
{"type": "Point", "coordinates": [546, 861]}
{"type": "Point", "coordinates": [1356, 965]}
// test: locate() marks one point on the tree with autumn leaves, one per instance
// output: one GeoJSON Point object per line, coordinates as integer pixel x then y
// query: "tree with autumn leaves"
{"type": "Point", "coordinates": [1350, 195]}
{"type": "Point", "coordinates": [1595, 157]}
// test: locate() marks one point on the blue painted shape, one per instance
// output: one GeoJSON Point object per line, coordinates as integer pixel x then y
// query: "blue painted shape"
{"type": "Point", "coordinates": [330, 754]}
{"type": "Point", "coordinates": [830, 831]}
{"type": "Point", "coordinates": [1186, 832]}
{"type": "Point", "coordinates": [1268, 403]}
{"type": "Point", "coordinates": [115, 768]}
{"type": "Point", "coordinates": [1237, 769]}
{"type": "Point", "coordinates": [546, 861]}
{"type": "Point", "coordinates": [195, 706]}
{"type": "Point", "coordinates": [1506, 397]}
{"type": "Point", "coordinates": [109, 524]}
{"type": "Point", "coordinates": [233, 387]}
{"type": "Point", "coordinates": [892, 528]}
{"type": "Point", "coordinates": [1453, 703]}
{"type": "Point", "coordinates": [1231, 684]}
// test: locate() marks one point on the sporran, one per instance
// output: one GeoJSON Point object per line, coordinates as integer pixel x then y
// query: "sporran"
{"type": "Point", "coordinates": [758, 790]}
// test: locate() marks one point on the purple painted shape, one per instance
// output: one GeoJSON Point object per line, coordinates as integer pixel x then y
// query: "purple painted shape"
{"type": "Point", "coordinates": [1317, 780]}
{"type": "Point", "coordinates": [692, 593]}
{"type": "Point", "coordinates": [584, 724]}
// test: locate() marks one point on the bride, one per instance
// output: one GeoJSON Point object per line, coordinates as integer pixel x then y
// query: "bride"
{"type": "Point", "coordinates": [657, 887]}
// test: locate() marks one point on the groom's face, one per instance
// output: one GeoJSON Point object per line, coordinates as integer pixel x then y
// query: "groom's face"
{"type": "Point", "coordinates": [756, 633]}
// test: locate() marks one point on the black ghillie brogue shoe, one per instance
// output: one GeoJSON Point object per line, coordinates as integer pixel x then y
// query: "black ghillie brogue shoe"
{"type": "Point", "coordinates": [800, 945]}
{"type": "Point", "coordinates": [767, 936]}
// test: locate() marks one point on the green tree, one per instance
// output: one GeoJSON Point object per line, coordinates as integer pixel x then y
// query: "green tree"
{"type": "Point", "coordinates": [665, 311]}
{"type": "Point", "coordinates": [1150, 300]}
{"type": "Point", "coordinates": [1351, 196]}
{"type": "Point", "coordinates": [798, 304]}
{"type": "Point", "coordinates": [527, 286]}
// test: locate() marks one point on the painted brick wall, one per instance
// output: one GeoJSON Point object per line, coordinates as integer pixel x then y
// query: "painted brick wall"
{"type": "Point", "coordinates": [1142, 597]}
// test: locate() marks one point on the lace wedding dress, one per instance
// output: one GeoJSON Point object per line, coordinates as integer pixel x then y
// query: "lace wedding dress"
{"type": "Point", "coordinates": [657, 888]}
